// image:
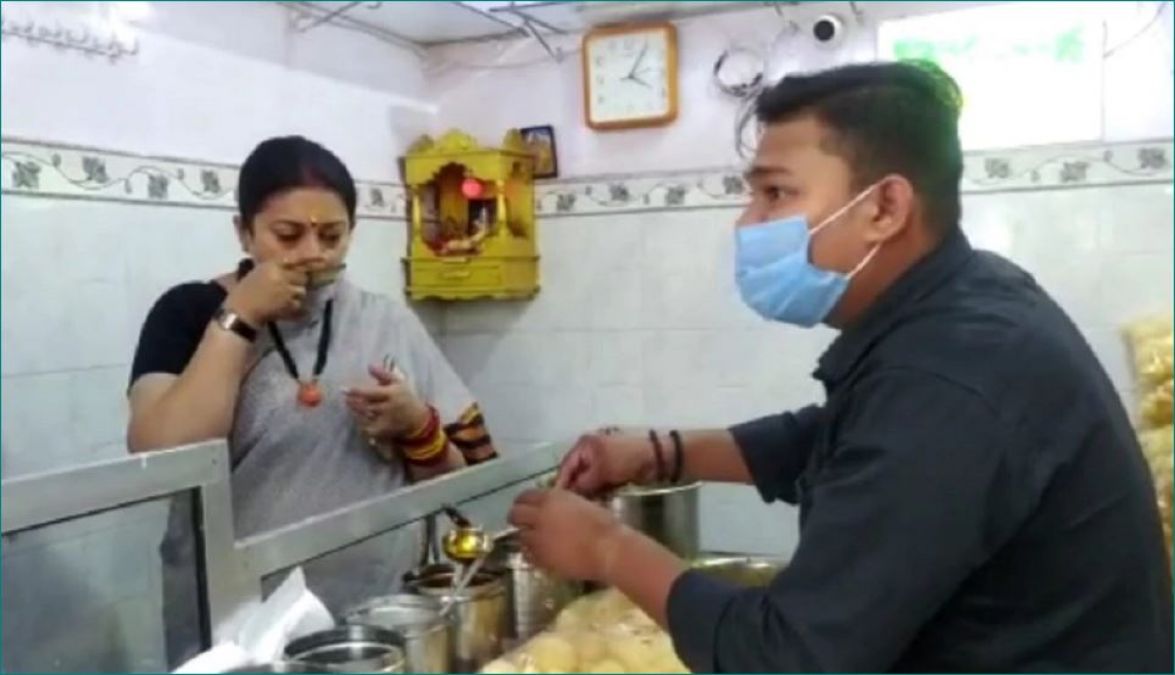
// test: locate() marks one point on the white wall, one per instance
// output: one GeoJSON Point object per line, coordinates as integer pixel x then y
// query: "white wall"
{"type": "Point", "coordinates": [85, 256]}
{"type": "Point", "coordinates": [638, 321]}
{"type": "Point", "coordinates": [210, 81]}
{"type": "Point", "coordinates": [474, 85]}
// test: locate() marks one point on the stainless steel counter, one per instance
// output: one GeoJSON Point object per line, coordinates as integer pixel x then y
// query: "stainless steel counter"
{"type": "Point", "coordinates": [94, 531]}
{"type": "Point", "coordinates": [292, 545]}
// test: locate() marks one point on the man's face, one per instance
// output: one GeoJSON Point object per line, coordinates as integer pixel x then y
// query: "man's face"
{"type": "Point", "coordinates": [794, 173]}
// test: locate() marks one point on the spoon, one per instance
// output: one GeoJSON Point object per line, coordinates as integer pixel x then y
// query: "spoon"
{"type": "Point", "coordinates": [460, 584]}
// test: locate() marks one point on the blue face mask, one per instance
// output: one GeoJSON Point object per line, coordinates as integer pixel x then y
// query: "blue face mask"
{"type": "Point", "coordinates": [777, 279]}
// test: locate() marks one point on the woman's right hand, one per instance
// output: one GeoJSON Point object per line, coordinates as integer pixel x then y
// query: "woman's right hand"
{"type": "Point", "coordinates": [269, 291]}
{"type": "Point", "coordinates": [605, 460]}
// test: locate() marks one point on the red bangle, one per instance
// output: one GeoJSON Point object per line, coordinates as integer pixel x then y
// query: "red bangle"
{"type": "Point", "coordinates": [425, 434]}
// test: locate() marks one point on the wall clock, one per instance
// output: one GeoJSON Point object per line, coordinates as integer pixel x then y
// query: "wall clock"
{"type": "Point", "coordinates": [630, 76]}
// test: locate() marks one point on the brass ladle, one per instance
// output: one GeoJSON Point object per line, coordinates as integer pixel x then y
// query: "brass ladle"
{"type": "Point", "coordinates": [467, 542]}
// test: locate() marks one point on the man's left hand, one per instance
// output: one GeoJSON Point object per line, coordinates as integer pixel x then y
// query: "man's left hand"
{"type": "Point", "coordinates": [566, 534]}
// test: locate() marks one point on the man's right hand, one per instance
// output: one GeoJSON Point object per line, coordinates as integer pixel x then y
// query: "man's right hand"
{"type": "Point", "coordinates": [605, 460]}
{"type": "Point", "coordinates": [269, 291]}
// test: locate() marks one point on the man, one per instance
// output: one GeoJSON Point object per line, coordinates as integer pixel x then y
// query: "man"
{"type": "Point", "coordinates": [972, 496]}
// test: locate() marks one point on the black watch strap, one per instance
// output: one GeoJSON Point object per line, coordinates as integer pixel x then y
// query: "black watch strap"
{"type": "Point", "coordinates": [231, 321]}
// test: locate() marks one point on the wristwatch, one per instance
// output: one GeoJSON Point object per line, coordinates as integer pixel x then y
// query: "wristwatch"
{"type": "Point", "coordinates": [232, 322]}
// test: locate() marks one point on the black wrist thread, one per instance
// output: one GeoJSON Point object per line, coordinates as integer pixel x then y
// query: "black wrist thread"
{"type": "Point", "coordinates": [678, 459]}
{"type": "Point", "coordinates": [658, 455]}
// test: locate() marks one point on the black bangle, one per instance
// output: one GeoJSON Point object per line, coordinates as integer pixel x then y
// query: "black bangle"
{"type": "Point", "coordinates": [677, 457]}
{"type": "Point", "coordinates": [657, 454]}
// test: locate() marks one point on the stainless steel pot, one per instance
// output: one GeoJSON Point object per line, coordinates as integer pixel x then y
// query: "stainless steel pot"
{"type": "Point", "coordinates": [280, 667]}
{"type": "Point", "coordinates": [417, 619]}
{"type": "Point", "coordinates": [287, 667]}
{"type": "Point", "coordinates": [479, 614]}
{"type": "Point", "coordinates": [668, 514]}
{"type": "Point", "coordinates": [534, 597]}
{"type": "Point", "coordinates": [349, 649]}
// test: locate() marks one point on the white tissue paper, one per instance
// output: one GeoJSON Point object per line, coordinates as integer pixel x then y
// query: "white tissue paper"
{"type": "Point", "coordinates": [261, 630]}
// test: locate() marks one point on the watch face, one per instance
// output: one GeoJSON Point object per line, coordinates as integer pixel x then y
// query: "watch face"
{"type": "Point", "coordinates": [629, 77]}
{"type": "Point", "coordinates": [233, 323]}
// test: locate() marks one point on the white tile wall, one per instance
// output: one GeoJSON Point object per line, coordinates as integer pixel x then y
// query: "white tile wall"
{"type": "Point", "coordinates": [78, 279]}
{"type": "Point", "coordinates": [639, 323]}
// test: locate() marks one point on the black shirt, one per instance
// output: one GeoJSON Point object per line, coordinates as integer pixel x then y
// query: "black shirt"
{"type": "Point", "coordinates": [972, 498]}
{"type": "Point", "coordinates": [174, 327]}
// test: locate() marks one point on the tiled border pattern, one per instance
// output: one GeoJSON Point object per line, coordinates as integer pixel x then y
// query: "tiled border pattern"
{"type": "Point", "coordinates": [65, 171]}
{"type": "Point", "coordinates": [72, 172]}
{"type": "Point", "coordinates": [1035, 168]}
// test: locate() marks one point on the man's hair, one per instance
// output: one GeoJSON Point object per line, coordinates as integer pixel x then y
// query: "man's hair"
{"type": "Point", "coordinates": [883, 118]}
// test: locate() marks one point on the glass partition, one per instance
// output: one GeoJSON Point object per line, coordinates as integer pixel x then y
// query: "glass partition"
{"type": "Point", "coordinates": [89, 594]}
{"type": "Point", "coordinates": [363, 551]}
{"type": "Point", "coordinates": [124, 566]}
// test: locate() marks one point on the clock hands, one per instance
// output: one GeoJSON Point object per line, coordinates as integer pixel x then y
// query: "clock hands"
{"type": "Point", "coordinates": [634, 78]}
{"type": "Point", "coordinates": [640, 57]}
{"type": "Point", "coordinates": [636, 68]}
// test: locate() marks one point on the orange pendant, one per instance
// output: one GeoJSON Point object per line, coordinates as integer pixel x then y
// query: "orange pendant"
{"type": "Point", "coordinates": [309, 394]}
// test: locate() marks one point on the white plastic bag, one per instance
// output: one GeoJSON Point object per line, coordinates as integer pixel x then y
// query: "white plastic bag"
{"type": "Point", "coordinates": [262, 630]}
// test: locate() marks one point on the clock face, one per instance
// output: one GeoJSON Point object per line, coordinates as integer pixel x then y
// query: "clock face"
{"type": "Point", "coordinates": [629, 78]}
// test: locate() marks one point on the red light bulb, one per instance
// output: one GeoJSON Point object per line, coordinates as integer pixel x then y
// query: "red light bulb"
{"type": "Point", "coordinates": [471, 188]}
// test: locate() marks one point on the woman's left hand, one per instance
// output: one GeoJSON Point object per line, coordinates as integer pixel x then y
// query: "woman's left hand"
{"type": "Point", "coordinates": [387, 410]}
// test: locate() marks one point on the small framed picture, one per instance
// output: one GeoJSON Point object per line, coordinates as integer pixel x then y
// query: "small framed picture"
{"type": "Point", "coordinates": [541, 142]}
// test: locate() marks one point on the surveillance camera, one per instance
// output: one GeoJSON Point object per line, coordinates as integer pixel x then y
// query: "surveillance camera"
{"type": "Point", "coordinates": [828, 30]}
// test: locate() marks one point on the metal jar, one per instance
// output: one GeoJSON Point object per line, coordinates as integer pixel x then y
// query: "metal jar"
{"type": "Point", "coordinates": [741, 570]}
{"type": "Point", "coordinates": [668, 514]}
{"type": "Point", "coordinates": [534, 597]}
{"type": "Point", "coordinates": [479, 614]}
{"type": "Point", "coordinates": [417, 619]}
{"type": "Point", "coordinates": [349, 649]}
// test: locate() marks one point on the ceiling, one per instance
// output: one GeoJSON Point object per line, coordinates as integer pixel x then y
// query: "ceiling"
{"type": "Point", "coordinates": [431, 23]}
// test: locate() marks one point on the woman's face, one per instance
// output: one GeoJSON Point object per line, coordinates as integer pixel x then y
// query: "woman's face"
{"type": "Point", "coordinates": [306, 226]}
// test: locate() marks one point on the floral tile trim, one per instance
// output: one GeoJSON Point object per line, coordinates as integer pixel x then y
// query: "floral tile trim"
{"type": "Point", "coordinates": [67, 171]}
{"type": "Point", "coordinates": [1036, 168]}
{"type": "Point", "coordinates": [1068, 166]}
{"type": "Point", "coordinates": [73, 172]}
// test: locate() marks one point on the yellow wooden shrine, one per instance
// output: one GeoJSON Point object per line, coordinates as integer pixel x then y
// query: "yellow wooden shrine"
{"type": "Point", "coordinates": [471, 215]}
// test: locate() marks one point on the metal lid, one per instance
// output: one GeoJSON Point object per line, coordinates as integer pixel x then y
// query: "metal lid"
{"type": "Point", "coordinates": [437, 581]}
{"type": "Point", "coordinates": [405, 613]}
{"type": "Point", "coordinates": [743, 570]}
{"type": "Point", "coordinates": [655, 489]}
{"type": "Point", "coordinates": [353, 648]}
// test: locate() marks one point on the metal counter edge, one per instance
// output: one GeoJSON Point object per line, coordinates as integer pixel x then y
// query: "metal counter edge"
{"type": "Point", "coordinates": [295, 544]}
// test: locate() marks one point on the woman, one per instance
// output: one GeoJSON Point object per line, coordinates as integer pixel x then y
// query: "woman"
{"type": "Point", "coordinates": [328, 394]}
